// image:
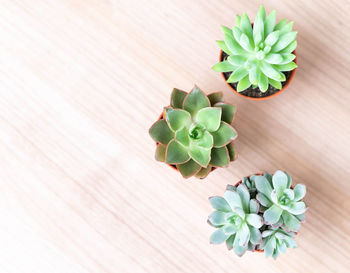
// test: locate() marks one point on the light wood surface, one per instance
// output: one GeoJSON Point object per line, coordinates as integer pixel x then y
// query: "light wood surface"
{"type": "Point", "coordinates": [81, 81]}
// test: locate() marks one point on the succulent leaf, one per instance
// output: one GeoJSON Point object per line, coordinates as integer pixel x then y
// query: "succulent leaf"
{"type": "Point", "coordinates": [231, 151]}
{"type": "Point", "coordinates": [276, 241]}
{"type": "Point", "coordinates": [177, 118]}
{"type": "Point", "coordinates": [216, 97]}
{"type": "Point", "coordinates": [209, 117]}
{"type": "Point", "coordinates": [258, 52]}
{"type": "Point", "coordinates": [176, 153]}
{"type": "Point", "coordinates": [160, 132]}
{"type": "Point", "coordinates": [224, 135]}
{"type": "Point", "coordinates": [189, 168]}
{"type": "Point", "coordinates": [160, 152]}
{"type": "Point", "coordinates": [203, 173]}
{"type": "Point", "coordinates": [219, 157]}
{"type": "Point", "coordinates": [177, 98]}
{"type": "Point", "coordinates": [195, 100]}
{"type": "Point", "coordinates": [182, 137]}
{"type": "Point", "coordinates": [219, 203]}
{"type": "Point", "coordinates": [200, 155]}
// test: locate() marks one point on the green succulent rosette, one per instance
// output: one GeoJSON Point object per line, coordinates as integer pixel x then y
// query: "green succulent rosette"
{"type": "Point", "coordinates": [195, 133]}
{"type": "Point", "coordinates": [258, 55]}
{"type": "Point", "coordinates": [262, 212]}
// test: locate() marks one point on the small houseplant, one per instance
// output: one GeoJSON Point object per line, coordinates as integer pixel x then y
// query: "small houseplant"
{"type": "Point", "coordinates": [258, 60]}
{"type": "Point", "coordinates": [194, 134]}
{"type": "Point", "coordinates": [260, 213]}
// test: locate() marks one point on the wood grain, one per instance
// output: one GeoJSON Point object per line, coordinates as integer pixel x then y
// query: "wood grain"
{"type": "Point", "coordinates": [80, 84]}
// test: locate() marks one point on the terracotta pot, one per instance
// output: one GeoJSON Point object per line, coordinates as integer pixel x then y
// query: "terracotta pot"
{"type": "Point", "coordinates": [268, 97]}
{"type": "Point", "coordinates": [174, 166]}
{"type": "Point", "coordinates": [239, 182]}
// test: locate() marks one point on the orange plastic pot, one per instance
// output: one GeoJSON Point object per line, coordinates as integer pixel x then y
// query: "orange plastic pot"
{"type": "Point", "coordinates": [268, 97]}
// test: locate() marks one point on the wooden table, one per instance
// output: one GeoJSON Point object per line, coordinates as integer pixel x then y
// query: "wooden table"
{"type": "Point", "coordinates": [81, 83]}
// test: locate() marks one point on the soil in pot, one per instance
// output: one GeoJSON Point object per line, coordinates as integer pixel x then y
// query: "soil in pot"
{"type": "Point", "coordinates": [255, 92]}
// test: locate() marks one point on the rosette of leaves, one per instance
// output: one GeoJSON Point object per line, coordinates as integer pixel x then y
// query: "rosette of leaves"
{"type": "Point", "coordinates": [282, 205]}
{"type": "Point", "coordinates": [236, 219]}
{"type": "Point", "coordinates": [276, 241]}
{"type": "Point", "coordinates": [258, 55]}
{"type": "Point", "coordinates": [195, 133]}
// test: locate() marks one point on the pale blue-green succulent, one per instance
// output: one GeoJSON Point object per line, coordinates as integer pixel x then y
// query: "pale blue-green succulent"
{"type": "Point", "coordinates": [276, 241]}
{"type": "Point", "coordinates": [236, 217]}
{"type": "Point", "coordinates": [195, 132]}
{"type": "Point", "coordinates": [282, 203]}
{"type": "Point", "coordinates": [258, 55]}
{"type": "Point", "coordinates": [277, 210]}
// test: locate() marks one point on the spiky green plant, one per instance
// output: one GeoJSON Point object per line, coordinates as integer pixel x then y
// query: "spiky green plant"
{"type": "Point", "coordinates": [195, 133]}
{"type": "Point", "coordinates": [236, 217]}
{"type": "Point", "coordinates": [283, 205]}
{"type": "Point", "coordinates": [258, 55]}
{"type": "Point", "coordinates": [231, 215]}
{"type": "Point", "coordinates": [276, 241]}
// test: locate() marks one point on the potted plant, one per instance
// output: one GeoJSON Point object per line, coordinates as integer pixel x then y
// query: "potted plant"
{"type": "Point", "coordinates": [260, 213]}
{"type": "Point", "coordinates": [258, 61]}
{"type": "Point", "coordinates": [194, 134]}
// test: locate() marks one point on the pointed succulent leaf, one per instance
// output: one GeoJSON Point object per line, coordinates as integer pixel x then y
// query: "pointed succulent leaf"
{"type": "Point", "coordinates": [286, 67]}
{"type": "Point", "coordinates": [253, 76]}
{"type": "Point", "coordinates": [224, 135]}
{"type": "Point", "coordinates": [270, 22]}
{"type": "Point", "coordinates": [263, 185]}
{"type": "Point", "coordinates": [226, 30]}
{"type": "Point", "coordinates": [219, 157]}
{"type": "Point", "coordinates": [209, 117]}
{"type": "Point", "coordinates": [270, 247]}
{"type": "Point", "coordinates": [244, 195]}
{"type": "Point", "coordinates": [224, 66]}
{"type": "Point", "coordinates": [258, 28]}
{"type": "Point", "coordinates": [229, 242]}
{"type": "Point", "coordinates": [218, 237]}
{"type": "Point", "coordinates": [217, 218]}
{"type": "Point", "coordinates": [182, 137]}
{"type": "Point", "coordinates": [255, 235]}
{"type": "Point", "coordinates": [176, 153]}
{"type": "Point", "coordinates": [275, 84]}
{"type": "Point", "coordinates": [233, 199]}
{"type": "Point", "coordinates": [284, 41]}
{"type": "Point", "coordinates": [243, 84]}
{"type": "Point", "coordinates": [200, 155]}
{"type": "Point", "coordinates": [203, 173]}
{"type": "Point", "coordinates": [272, 38]}
{"type": "Point", "coordinates": [236, 60]}
{"type": "Point", "coordinates": [216, 97]}
{"type": "Point", "coordinates": [274, 58]}
{"type": "Point", "coordinates": [195, 101]}
{"type": "Point", "coordinates": [270, 71]}
{"type": "Point", "coordinates": [273, 214]}
{"type": "Point", "coordinates": [160, 132]}
{"type": "Point", "coordinates": [228, 111]}
{"type": "Point", "coordinates": [299, 192]}
{"type": "Point", "coordinates": [301, 217]}
{"type": "Point", "coordinates": [263, 82]}
{"type": "Point", "coordinates": [223, 47]}
{"type": "Point", "coordinates": [246, 26]}
{"type": "Point", "coordinates": [297, 208]}
{"type": "Point", "coordinates": [290, 48]}
{"type": "Point", "coordinates": [290, 221]}
{"type": "Point", "coordinates": [236, 33]}
{"type": "Point", "coordinates": [263, 200]}
{"type": "Point", "coordinates": [189, 168]}
{"type": "Point", "coordinates": [160, 152]}
{"type": "Point", "coordinates": [287, 28]}
{"type": "Point", "coordinates": [231, 151]}
{"type": "Point", "coordinates": [177, 118]}
{"type": "Point", "coordinates": [243, 234]}
{"type": "Point", "coordinates": [254, 206]}
{"type": "Point", "coordinates": [255, 220]}
{"type": "Point", "coordinates": [238, 74]}
{"type": "Point", "coordinates": [219, 203]}
{"type": "Point", "coordinates": [233, 45]}
{"type": "Point", "coordinates": [245, 43]}
{"type": "Point", "coordinates": [279, 181]}
{"type": "Point", "coordinates": [177, 98]}
{"type": "Point", "coordinates": [287, 58]}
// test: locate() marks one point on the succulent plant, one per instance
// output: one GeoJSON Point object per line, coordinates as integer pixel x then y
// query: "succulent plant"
{"type": "Point", "coordinates": [195, 133]}
{"type": "Point", "coordinates": [258, 55]}
{"type": "Point", "coordinates": [236, 217]}
{"type": "Point", "coordinates": [283, 205]}
{"type": "Point", "coordinates": [276, 241]}
{"type": "Point", "coordinates": [243, 217]}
